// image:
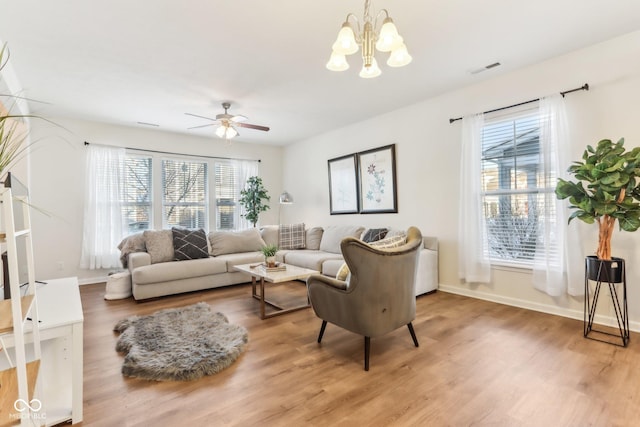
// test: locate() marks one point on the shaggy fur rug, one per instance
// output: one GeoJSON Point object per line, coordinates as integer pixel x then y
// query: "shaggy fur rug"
{"type": "Point", "coordinates": [179, 343]}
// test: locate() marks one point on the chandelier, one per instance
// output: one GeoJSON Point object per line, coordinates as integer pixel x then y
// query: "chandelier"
{"type": "Point", "coordinates": [386, 39]}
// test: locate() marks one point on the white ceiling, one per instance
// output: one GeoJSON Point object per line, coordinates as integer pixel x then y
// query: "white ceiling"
{"type": "Point", "coordinates": [128, 61]}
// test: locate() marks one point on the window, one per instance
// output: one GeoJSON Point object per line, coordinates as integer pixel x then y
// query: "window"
{"type": "Point", "coordinates": [226, 196]}
{"type": "Point", "coordinates": [513, 188]}
{"type": "Point", "coordinates": [161, 192]}
{"type": "Point", "coordinates": [137, 203]}
{"type": "Point", "coordinates": [184, 198]}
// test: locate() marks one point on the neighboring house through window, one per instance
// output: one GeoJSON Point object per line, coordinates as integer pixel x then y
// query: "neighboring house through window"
{"type": "Point", "coordinates": [513, 188]}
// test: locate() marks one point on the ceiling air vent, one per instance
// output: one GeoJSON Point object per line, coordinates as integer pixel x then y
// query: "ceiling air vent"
{"type": "Point", "coordinates": [486, 67]}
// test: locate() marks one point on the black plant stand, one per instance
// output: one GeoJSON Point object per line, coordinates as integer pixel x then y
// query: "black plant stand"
{"type": "Point", "coordinates": [611, 273]}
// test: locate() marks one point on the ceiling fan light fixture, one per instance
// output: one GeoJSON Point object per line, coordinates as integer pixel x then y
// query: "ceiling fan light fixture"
{"type": "Point", "coordinates": [226, 132]}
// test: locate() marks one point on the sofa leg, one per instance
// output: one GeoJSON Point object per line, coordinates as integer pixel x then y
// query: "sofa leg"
{"type": "Point", "coordinates": [413, 334]}
{"type": "Point", "coordinates": [324, 325]}
{"type": "Point", "coordinates": [367, 350]}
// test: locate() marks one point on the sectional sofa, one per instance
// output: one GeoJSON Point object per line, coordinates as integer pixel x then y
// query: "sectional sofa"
{"type": "Point", "coordinates": [150, 257]}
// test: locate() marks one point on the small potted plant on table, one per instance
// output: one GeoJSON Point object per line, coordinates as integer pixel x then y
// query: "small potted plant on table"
{"type": "Point", "coordinates": [269, 252]}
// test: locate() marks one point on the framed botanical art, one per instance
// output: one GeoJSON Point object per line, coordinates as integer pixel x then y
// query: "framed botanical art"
{"type": "Point", "coordinates": [377, 176]}
{"type": "Point", "coordinates": [343, 185]}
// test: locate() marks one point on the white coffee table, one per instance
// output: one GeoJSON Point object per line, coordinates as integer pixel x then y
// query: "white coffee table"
{"type": "Point", "coordinates": [291, 272]}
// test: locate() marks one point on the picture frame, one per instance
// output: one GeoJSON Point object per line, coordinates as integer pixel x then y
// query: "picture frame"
{"type": "Point", "coordinates": [343, 185]}
{"type": "Point", "coordinates": [377, 178]}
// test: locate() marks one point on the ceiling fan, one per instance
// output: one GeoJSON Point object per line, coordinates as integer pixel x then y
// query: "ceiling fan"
{"type": "Point", "coordinates": [227, 123]}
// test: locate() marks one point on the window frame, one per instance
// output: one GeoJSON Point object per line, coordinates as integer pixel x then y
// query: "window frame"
{"type": "Point", "coordinates": [511, 117]}
{"type": "Point", "coordinates": [210, 201]}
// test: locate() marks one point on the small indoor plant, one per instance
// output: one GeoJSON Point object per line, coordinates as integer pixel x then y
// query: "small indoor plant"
{"type": "Point", "coordinates": [606, 189]}
{"type": "Point", "coordinates": [251, 198]}
{"type": "Point", "coordinates": [269, 252]}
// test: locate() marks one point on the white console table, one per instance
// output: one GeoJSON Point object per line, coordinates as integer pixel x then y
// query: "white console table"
{"type": "Point", "coordinates": [60, 313]}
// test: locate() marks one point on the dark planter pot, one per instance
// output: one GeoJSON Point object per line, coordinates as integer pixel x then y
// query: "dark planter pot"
{"type": "Point", "coordinates": [599, 270]}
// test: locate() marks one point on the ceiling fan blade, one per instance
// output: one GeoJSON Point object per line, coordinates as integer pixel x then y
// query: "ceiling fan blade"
{"type": "Point", "coordinates": [202, 117]}
{"type": "Point", "coordinates": [256, 127]}
{"type": "Point", "coordinates": [202, 126]}
{"type": "Point", "coordinates": [238, 118]}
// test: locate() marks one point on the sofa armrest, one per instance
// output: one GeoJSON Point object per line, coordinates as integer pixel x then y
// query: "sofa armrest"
{"type": "Point", "coordinates": [138, 259]}
{"type": "Point", "coordinates": [430, 243]}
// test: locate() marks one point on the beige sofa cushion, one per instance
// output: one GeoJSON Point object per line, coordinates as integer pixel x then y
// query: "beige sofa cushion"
{"type": "Point", "coordinates": [269, 234]}
{"type": "Point", "coordinates": [333, 235]}
{"type": "Point", "coordinates": [232, 242]}
{"type": "Point", "coordinates": [177, 270]}
{"type": "Point", "coordinates": [314, 237]}
{"type": "Point", "coordinates": [309, 259]}
{"type": "Point", "coordinates": [159, 244]}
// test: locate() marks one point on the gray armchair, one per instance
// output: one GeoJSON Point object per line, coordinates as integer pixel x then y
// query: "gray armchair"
{"type": "Point", "coordinates": [379, 295]}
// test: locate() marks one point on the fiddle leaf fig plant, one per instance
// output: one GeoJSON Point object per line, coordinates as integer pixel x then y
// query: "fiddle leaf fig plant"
{"type": "Point", "coordinates": [606, 189]}
{"type": "Point", "coordinates": [251, 198]}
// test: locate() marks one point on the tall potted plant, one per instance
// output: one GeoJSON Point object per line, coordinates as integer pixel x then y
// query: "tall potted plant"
{"type": "Point", "coordinates": [251, 198]}
{"type": "Point", "coordinates": [606, 189]}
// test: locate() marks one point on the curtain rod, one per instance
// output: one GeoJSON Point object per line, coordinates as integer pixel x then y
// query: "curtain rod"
{"type": "Point", "coordinates": [177, 154]}
{"type": "Point", "coordinates": [583, 87]}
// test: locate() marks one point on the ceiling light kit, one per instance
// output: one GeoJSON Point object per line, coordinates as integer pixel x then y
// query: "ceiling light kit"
{"type": "Point", "coordinates": [227, 123]}
{"type": "Point", "coordinates": [386, 39]}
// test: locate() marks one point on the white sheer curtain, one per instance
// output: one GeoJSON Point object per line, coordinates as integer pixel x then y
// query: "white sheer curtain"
{"type": "Point", "coordinates": [473, 261]}
{"type": "Point", "coordinates": [554, 266]}
{"type": "Point", "coordinates": [245, 169]}
{"type": "Point", "coordinates": [103, 219]}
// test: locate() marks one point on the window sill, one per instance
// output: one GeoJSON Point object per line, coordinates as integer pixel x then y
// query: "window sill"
{"type": "Point", "coordinates": [512, 266]}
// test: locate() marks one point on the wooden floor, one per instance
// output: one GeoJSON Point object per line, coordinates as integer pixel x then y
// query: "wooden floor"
{"type": "Point", "coordinates": [478, 363]}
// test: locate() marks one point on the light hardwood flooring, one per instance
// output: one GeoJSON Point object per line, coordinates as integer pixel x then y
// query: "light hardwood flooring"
{"type": "Point", "coordinates": [479, 363]}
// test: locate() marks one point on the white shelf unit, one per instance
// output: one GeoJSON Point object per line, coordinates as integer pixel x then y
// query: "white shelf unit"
{"type": "Point", "coordinates": [20, 388]}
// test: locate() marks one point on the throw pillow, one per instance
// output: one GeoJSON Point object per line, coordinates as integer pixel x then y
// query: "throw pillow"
{"type": "Point", "coordinates": [232, 242]}
{"type": "Point", "coordinates": [343, 272]}
{"type": "Point", "coordinates": [189, 244]}
{"type": "Point", "coordinates": [390, 242]}
{"type": "Point", "coordinates": [314, 237]}
{"type": "Point", "coordinates": [374, 234]}
{"type": "Point", "coordinates": [333, 235]}
{"type": "Point", "coordinates": [159, 244]}
{"type": "Point", "coordinates": [292, 236]}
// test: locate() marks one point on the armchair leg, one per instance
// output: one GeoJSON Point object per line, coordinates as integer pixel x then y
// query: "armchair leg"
{"type": "Point", "coordinates": [413, 334]}
{"type": "Point", "coordinates": [324, 325]}
{"type": "Point", "coordinates": [367, 350]}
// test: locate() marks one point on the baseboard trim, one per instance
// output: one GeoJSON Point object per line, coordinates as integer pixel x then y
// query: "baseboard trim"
{"type": "Point", "coordinates": [529, 305]}
{"type": "Point", "coordinates": [92, 280]}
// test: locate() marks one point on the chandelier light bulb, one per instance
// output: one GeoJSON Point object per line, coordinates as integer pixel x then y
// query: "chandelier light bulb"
{"type": "Point", "coordinates": [346, 42]}
{"type": "Point", "coordinates": [399, 57]}
{"type": "Point", "coordinates": [337, 62]}
{"type": "Point", "coordinates": [370, 72]}
{"type": "Point", "coordinates": [388, 39]}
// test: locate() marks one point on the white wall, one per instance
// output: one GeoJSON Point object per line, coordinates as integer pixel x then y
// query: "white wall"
{"type": "Point", "coordinates": [57, 182]}
{"type": "Point", "coordinates": [428, 150]}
